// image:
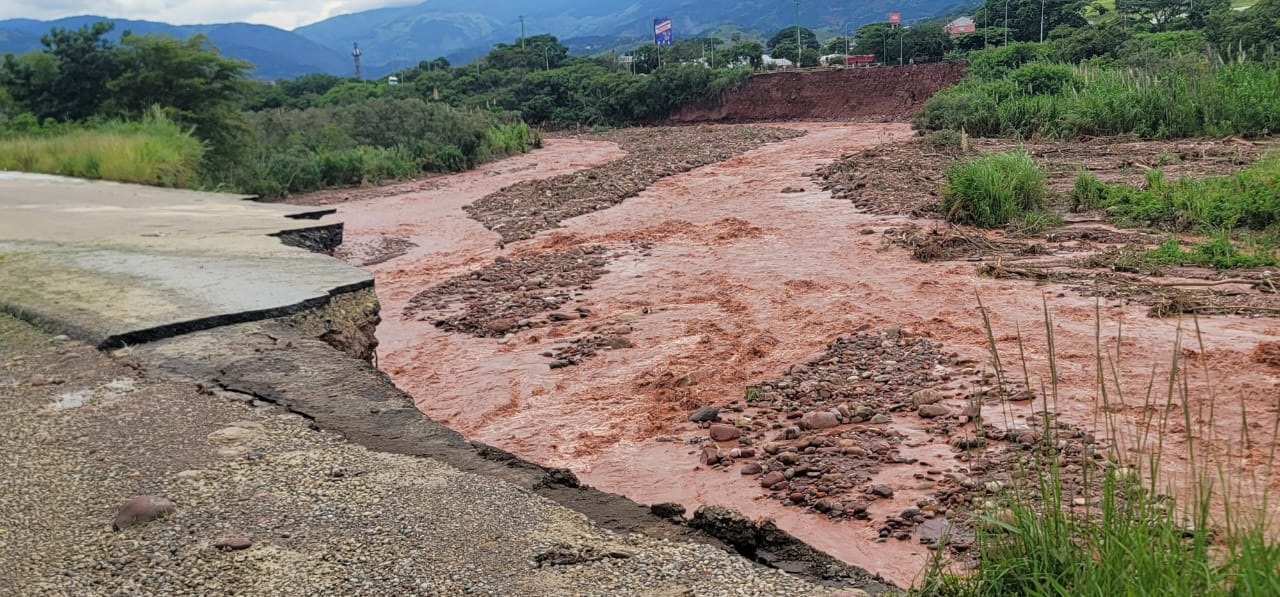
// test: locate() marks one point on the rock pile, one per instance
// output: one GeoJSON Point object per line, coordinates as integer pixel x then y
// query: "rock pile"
{"type": "Point", "coordinates": [512, 294]}
{"type": "Point", "coordinates": [522, 210]}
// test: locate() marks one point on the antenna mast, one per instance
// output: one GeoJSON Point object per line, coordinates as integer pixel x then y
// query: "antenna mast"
{"type": "Point", "coordinates": [355, 55]}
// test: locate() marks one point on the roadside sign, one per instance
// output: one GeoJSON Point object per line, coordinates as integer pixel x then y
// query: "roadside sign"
{"type": "Point", "coordinates": [662, 32]}
{"type": "Point", "coordinates": [895, 18]}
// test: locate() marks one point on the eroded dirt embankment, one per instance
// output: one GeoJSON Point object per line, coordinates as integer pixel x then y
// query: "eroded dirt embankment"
{"type": "Point", "coordinates": [717, 279]}
{"type": "Point", "coordinates": [885, 94]}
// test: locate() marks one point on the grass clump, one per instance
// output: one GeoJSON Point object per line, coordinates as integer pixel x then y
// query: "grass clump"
{"type": "Point", "coordinates": [1217, 251]}
{"type": "Point", "coordinates": [1089, 193]}
{"type": "Point", "coordinates": [1247, 199]}
{"type": "Point", "coordinates": [155, 151]}
{"type": "Point", "coordinates": [992, 190]}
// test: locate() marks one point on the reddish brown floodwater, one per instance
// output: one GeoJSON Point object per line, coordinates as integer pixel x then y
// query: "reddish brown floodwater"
{"type": "Point", "coordinates": [743, 304]}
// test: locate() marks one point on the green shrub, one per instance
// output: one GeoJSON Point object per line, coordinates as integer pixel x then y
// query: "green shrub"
{"type": "Point", "coordinates": [993, 190]}
{"type": "Point", "coordinates": [949, 140]}
{"type": "Point", "coordinates": [995, 63]}
{"type": "Point", "coordinates": [1038, 78]}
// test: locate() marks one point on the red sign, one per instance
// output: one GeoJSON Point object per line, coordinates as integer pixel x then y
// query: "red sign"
{"type": "Point", "coordinates": [895, 18]}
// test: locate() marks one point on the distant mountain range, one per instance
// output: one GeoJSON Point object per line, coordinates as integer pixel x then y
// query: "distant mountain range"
{"type": "Point", "coordinates": [461, 30]}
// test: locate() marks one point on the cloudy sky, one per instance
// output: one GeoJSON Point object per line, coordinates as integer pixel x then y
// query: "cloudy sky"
{"type": "Point", "coordinates": [286, 14]}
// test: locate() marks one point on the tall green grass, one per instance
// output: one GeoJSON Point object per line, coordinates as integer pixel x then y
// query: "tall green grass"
{"type": "Point", "coordinates": [993, 190]}
{"type": "Point", "coordinates": [155, 151]}
{"type": "Point", "coordinates": [1144, 535]}
{"type": "Point", "coordinates": [1038, 99]}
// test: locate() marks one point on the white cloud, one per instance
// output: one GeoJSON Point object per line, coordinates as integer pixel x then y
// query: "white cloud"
{"type": "Point", "coordinates": [286, 14]}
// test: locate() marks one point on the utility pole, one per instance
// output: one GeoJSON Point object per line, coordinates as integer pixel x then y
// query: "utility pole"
{"type": "Point", "coordinates": [355, 55]}
{"type": "Point", "coordinates": [799, 49]}
{"type": "Point", "coordinates": [1041, 21]}
{"type": "Point", "coordinates": [902, 33]}
{"type": "Point", "coordinates": [884, 49]}
{"type": "Point", "coordinates": [546, 56]}
{"type": "Point", "coordinates": [1006, 22]}
{"type": "Point", "coordinates": [522, 33]}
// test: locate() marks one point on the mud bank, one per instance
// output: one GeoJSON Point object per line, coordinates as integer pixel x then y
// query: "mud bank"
{"type": "Point", "coordinates": [725, 277]}
{"type": "Point", "coordinates": [886, 94]}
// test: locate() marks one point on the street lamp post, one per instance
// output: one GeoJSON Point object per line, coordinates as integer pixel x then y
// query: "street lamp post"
{"type": "Point", "coordinates": [902, 33]}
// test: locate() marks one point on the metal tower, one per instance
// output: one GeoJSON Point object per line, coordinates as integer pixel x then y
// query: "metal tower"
{"type": "Point", "coordinates": [355, 55]}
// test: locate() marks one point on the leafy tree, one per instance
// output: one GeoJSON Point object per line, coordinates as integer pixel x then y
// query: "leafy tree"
{"type": "Point", "coordinates": [190, 77]}
{"type": "Point", "coordinates": [1254, 31]}
{"type": "Point", "coordinates": [76, 88]}
{"type": "Point", "coordinates": [874, 38]}
{"type": "Point", "coordinates": [540, 52]}
{"type": "Point", "coordinates": [838, 45]}
{"type": "Point", "coordinates": [31, 81]}
{"type": "Point", "coordinates": [1156, 15]}
{"type": "Point", "coordinates": [980, 39]}
{"type": "Point", "coordinates": [742, 53]}
{"type": "Point", "coordinates": [1024, 16]}
{"type": "Point", "coordinates": [799, 58]}
{"type": "Point", "coordinates": [1075, 44]}
{"type": "Point", "coordinates": [788, 36]}
{"type": "Point", "coordinates": [926, 42]}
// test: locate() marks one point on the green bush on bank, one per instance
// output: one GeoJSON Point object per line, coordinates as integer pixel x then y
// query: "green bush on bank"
{"type": "Point", "coordinates": [993, 190]}
{"type": "Point", "coordinates": [154, 151]}
{"type": "Point", "coordinates": [370, 142]}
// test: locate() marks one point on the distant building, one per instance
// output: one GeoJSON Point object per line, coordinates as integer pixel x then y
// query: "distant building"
{"type": "Point", "coordinates": [393, 80]}
{"type": "Point", "coordinates": [961, 25]}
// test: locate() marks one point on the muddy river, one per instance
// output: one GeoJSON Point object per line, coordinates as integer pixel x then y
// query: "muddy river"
{"type": "Point", "coordinates": [737, 281]}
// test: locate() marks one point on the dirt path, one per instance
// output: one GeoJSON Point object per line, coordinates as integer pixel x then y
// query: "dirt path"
{"type": "Point", "coordinates": [733, 282]}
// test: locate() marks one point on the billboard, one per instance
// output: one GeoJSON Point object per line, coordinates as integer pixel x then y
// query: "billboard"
{"type": "Point", "coordinates": [895, 18]}
{"type": "Point", "coordinates": [662, 32]}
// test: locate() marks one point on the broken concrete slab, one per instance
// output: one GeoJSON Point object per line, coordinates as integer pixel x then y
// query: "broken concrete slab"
{"type": "Point", "coordinates": [115, 264]}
